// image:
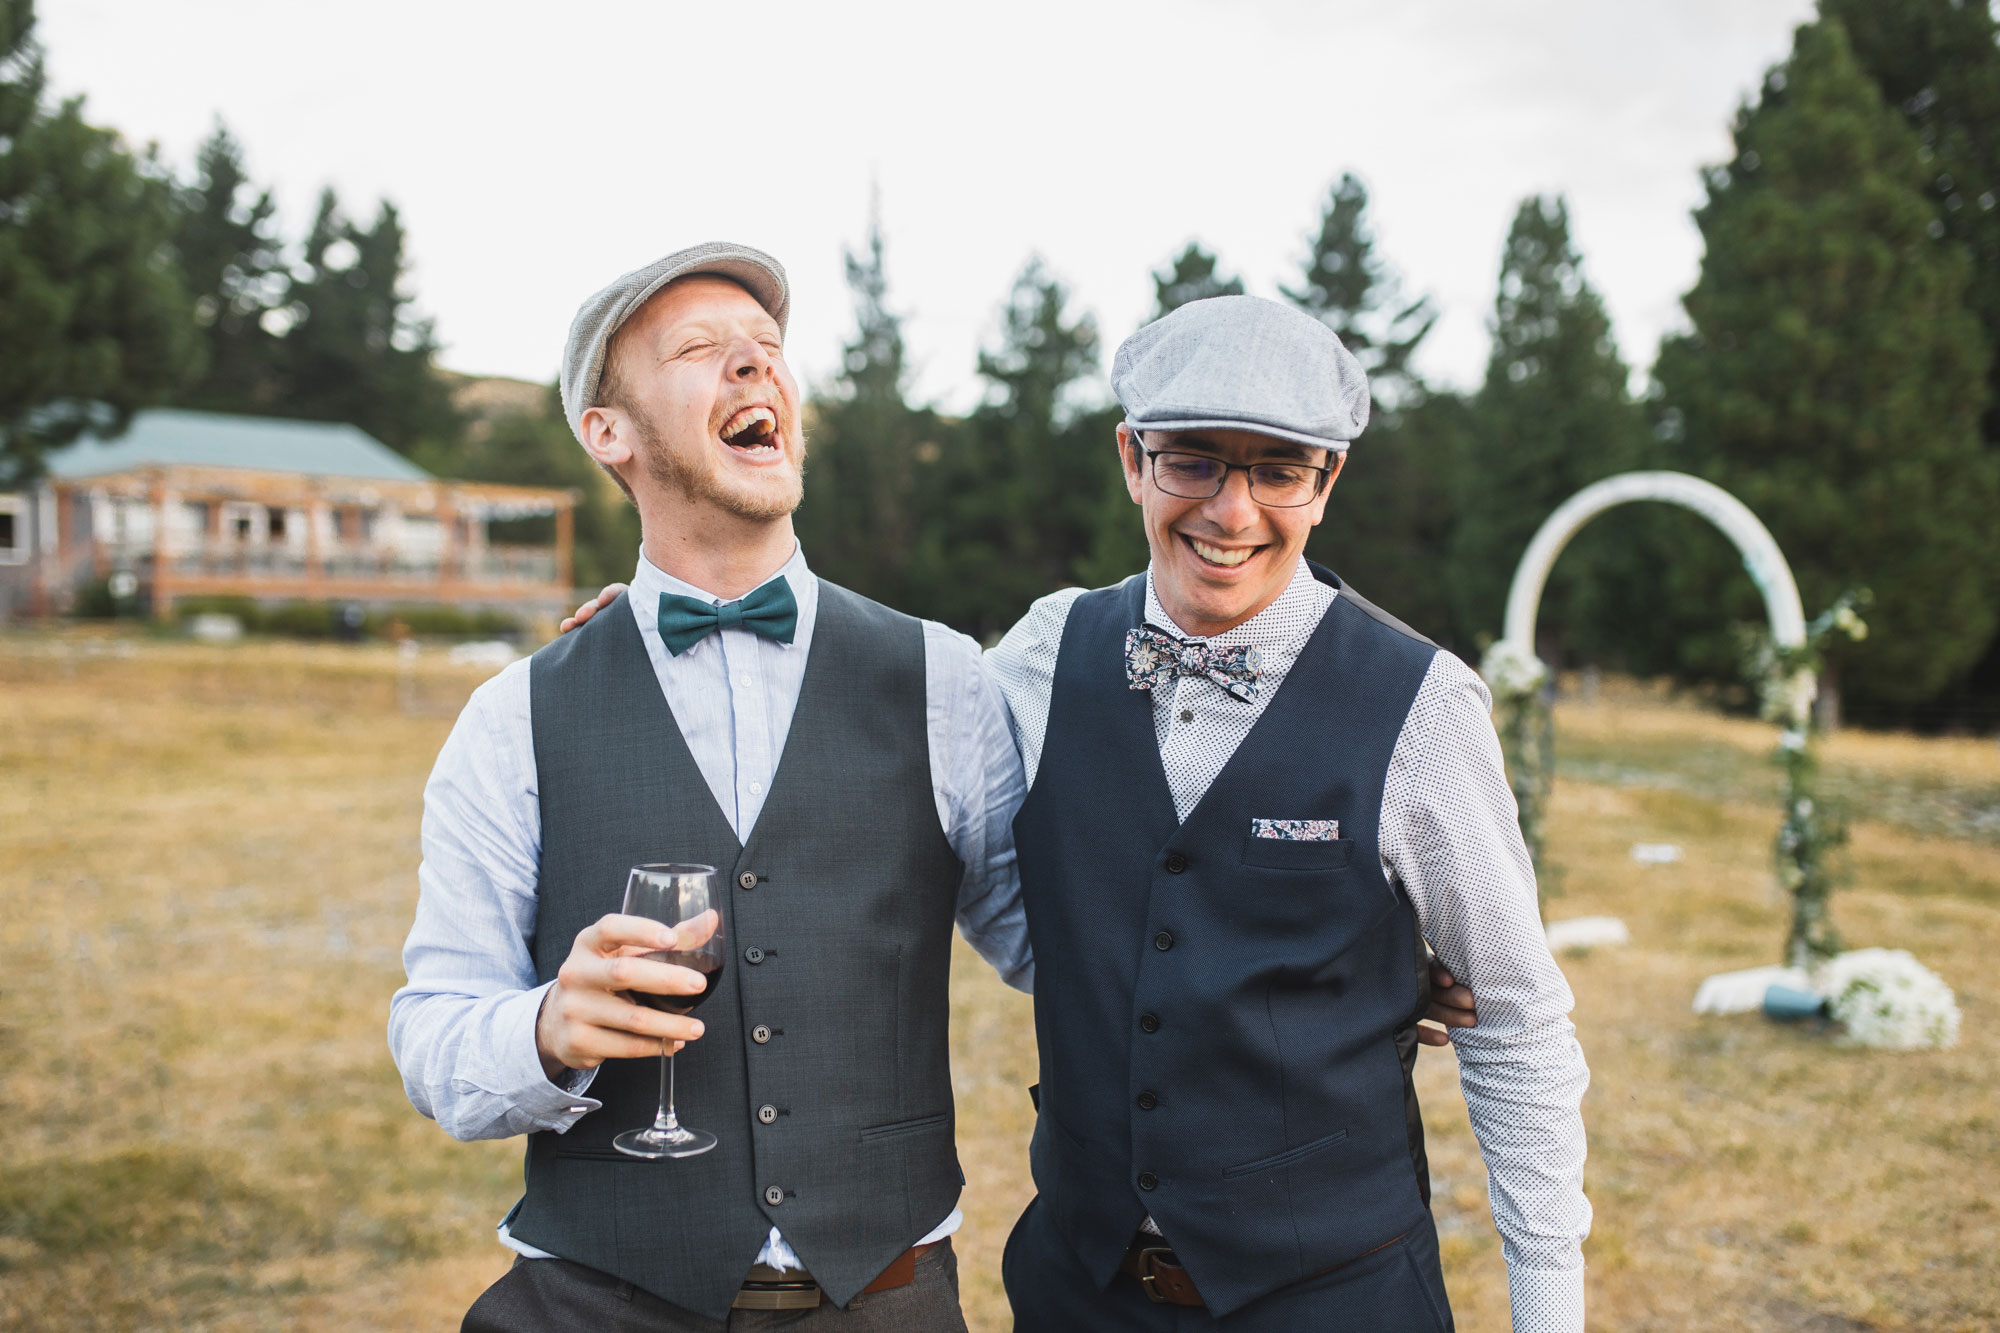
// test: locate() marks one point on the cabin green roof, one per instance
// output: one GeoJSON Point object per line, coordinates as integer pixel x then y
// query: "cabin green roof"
{"type": "Point", "coordinates": [165, 436]}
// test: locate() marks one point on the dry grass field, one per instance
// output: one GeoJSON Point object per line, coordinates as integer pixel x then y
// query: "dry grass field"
{"type": "Point", "coordinates": [206, 870]}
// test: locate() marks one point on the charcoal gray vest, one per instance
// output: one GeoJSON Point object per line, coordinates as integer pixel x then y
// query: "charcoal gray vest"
{"type": "Point", "coordinates": [1226, 1023]}
{"type": "Point", "coordinates": [823, 1071]}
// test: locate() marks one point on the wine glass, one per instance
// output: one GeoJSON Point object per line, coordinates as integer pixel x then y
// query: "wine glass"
{"type": "Point", "coordinates": [681, 896]}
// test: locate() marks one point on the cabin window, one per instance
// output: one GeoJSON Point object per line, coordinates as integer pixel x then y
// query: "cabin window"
{"type": "Point", "coordinates": [13, 532]}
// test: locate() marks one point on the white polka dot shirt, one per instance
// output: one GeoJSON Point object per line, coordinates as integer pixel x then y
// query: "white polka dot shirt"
{"type": "Point", "coordinates": [1450, 841]}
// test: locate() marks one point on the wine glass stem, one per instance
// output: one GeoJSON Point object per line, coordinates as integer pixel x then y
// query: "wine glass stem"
{"type": "Point", "coordinates": [666, 1119]}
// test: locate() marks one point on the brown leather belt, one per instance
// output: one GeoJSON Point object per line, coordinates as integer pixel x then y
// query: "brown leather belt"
{"type": "Point", "coordinates": [1158, 1269]}
{"type": "Point", "coordinates": [768, 1288]}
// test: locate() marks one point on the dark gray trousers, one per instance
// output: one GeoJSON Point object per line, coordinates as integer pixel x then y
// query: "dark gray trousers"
{"type": "Point", "coordinates": [1398, 1289]}
{"type": "Point", "coordinates": [554, 1295]}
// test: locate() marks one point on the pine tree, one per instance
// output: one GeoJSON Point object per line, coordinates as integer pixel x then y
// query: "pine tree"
{"type": "Point", "coordinates": [1833, 379]}
{"type": "Point", "coordinates": [871, 471]}
{"type": "Point", "coordinates": [1553, 415]}
{"type": "Point", "coordinates": [1938, 62]}
{"type": "Point", "coordinates": [1027, 487]}
{"type": "Point", "coordinates": [1191, 277]}
{"type": "Point", "coordinates": [1389, 521]}
{"type": "Point", "coordinates": [232, 259]}
{"type": "Point", "coordinates": [356, 351]}
{"type": "Point", "coordinates": [1348, 286]}
{"type": "Point", "coordinates": [1390, 515]}
{"type": "Point", "coordinates": [94, 320]}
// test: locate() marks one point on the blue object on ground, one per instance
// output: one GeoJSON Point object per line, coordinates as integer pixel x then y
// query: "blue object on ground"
{"type": "Point", "coordinates": [1788, 1004]}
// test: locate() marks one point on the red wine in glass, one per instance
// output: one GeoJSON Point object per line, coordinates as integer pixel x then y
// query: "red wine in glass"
{"type": "Point", "coordinates": [710, 968]}
{"type": "Point", "coordinates": [681, 896]}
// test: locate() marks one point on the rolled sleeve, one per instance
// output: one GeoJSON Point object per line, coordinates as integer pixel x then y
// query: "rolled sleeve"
{"type": "Point", "coordinates": [1546, 1300]}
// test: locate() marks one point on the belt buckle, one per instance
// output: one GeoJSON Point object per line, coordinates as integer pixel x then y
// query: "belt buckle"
{"type": "Point", "coordinates": [1146, 1276]}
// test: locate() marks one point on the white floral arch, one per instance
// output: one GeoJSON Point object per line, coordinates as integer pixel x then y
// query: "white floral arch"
{"type": "Point", "coordinates": [1761, 558]}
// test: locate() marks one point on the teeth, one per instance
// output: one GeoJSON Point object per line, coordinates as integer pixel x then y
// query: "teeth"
{"type": "Point", "coordinates": [748, 420]}
{"type": "Point", "coordinates": [1215, 555]}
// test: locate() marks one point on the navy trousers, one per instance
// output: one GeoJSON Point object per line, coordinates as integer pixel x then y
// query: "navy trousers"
{"type": "Point", "coordinates": [1396, 1290]}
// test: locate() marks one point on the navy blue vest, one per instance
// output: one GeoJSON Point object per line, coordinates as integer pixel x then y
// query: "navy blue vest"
{"type": "Point", "coordinates": [1226, 1023]}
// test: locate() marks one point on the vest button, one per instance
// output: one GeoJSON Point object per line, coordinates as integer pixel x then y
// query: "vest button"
{"type": "Point", "coordinates": [753, 954]}
{"type": "Point", "coordinates": [748, 879]}
{"type": "Point", "coordinates": [767, 1113]}
{"type": "Point", "coordinates": [1148, 1181]}
{"type": "Point", "coordinates": [1147, 1101]}
{"type": "Point", "coordinates": [1149, 1022]}
{"type": "Point", "coordinates": [773, 1195]}
{"type": "Point", "coordinates": [1162, 941]}
{"type": "Point", "coordinates": [1176, 863]}
{"type": "Point", "coordinates": [760, 1034]}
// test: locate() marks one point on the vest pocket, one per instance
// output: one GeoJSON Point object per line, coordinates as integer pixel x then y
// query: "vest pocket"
{"type": "Point", "coordinates": [1289, 1157]}
{"type": "Point", "coordinates": [898, 1128]}
{"type": "Point", "coordinates": [1283, 854]}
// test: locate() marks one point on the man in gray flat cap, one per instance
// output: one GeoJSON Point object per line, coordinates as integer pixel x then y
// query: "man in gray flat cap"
{"type": "Point", "coordinates": [849, 772]}
{"type": "Point", "coordinates": [1253, 797]}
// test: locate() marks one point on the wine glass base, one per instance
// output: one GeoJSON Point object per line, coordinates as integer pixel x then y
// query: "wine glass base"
{"type": "Point", "coordinates": [655, 1143]}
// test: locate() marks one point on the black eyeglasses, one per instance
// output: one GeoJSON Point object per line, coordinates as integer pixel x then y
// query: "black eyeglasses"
{"type": "Point", "coordinates": [1200, 477]}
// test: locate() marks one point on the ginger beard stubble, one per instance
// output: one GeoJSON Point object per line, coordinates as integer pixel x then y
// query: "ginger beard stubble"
{"type": "Point", "coordinates": [698, 473]}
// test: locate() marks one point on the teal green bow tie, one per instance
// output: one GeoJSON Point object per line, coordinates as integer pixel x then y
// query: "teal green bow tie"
{"type": "Point", "coordinates": [771, 611]}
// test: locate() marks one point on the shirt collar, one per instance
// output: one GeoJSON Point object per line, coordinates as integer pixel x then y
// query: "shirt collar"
{"type": "Point", "coordinates": [1283, 625]}
{"type": "Point", "coordinates": [649, 582]}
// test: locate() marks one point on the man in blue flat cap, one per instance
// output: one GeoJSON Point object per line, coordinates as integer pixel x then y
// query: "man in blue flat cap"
{"type": "Point", "coordinates": [1253, 797]}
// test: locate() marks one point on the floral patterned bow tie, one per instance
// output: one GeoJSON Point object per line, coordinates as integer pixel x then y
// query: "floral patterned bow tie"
{"type": "Point", "coordinates": [1153, 658]}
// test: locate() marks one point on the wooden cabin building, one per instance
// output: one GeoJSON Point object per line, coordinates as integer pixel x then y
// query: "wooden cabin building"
{"type": "Point", "coordinates": [188, 504]}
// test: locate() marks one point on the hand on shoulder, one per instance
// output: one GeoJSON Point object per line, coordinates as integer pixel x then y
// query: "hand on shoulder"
{"type": "Point", "coordinates": [592, 607]}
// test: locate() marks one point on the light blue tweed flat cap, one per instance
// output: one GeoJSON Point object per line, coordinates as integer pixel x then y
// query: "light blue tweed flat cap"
{"type": "Point", "coordinates": [604, 313]}
{"type": "Point", "coordinates": [1242, 363]}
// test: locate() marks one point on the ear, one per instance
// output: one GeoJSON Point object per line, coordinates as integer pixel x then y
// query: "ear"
{"type": "Point", "coordinates": [1326, 492]}
{"type": "Point", "coordinates": [607, 436]}
{"type": "Point", "coordinates": [1133, 465]}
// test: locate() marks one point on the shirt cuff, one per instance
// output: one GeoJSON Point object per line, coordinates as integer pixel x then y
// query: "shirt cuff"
{"type": "Point", "coordinates": [550, 1104]}
{"type": "Point", "coordinates": [1546, 1300]}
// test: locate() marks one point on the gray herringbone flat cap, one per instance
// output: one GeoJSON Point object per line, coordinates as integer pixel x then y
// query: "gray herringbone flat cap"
{"type": "Point", "coordinates": [602, 315]}
{"type": "Point", "coordinates": [1242, 363]}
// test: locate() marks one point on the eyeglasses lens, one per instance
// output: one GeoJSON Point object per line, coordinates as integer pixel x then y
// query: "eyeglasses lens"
{"type": "Point", "coordinates": [1195, 477]}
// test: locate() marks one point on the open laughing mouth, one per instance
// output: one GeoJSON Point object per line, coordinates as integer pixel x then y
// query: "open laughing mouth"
{"type": "Point", "coordinates": [1219, 557]}
{"type": "Point", "coordinates": [752, 431]}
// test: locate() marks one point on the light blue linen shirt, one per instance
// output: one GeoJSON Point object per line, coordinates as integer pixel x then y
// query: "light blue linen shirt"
{"type": "Point", "coordinates": [463, 1027]}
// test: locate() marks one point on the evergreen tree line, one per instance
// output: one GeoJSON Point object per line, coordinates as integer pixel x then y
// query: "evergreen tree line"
{"type": "Point", "coordinates": [123, 286]}
{"type": "Point", "coordinates": [1837, 373]}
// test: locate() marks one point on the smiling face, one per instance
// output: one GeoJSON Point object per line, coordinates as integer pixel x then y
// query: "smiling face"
{"type": "Point", "coordinates": [1217, 562]}
{"type": "Point", "coordinates": [696, 393]}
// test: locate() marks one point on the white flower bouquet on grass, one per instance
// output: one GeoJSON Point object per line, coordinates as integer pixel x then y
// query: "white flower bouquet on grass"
{"type": "Point", "coordinates": [1884, 997]}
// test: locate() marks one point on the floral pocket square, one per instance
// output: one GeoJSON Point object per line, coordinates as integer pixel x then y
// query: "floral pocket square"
{"type": "Point", "coordinates": [1296, 830]}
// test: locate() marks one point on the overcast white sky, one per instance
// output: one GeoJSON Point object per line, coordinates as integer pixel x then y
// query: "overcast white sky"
{"type": "Point", "coordinates": [538, 150]}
